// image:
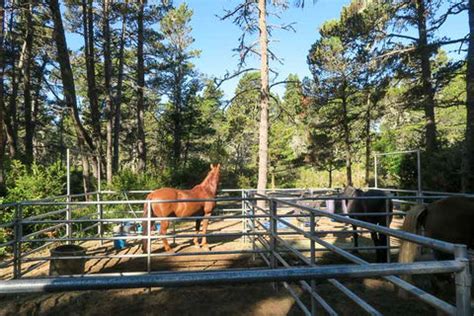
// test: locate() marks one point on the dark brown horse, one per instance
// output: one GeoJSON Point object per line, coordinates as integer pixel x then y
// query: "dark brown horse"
{"type": "Point", "coordinates": [381, 205]}
{"type": "Point", "coordinates": [207, 189]}
{"type": "Point", "coordinates": [450, 219]}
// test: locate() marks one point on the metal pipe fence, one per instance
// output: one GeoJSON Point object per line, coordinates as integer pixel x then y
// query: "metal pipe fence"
{"type": "Point", "coordinates": [265, 232]}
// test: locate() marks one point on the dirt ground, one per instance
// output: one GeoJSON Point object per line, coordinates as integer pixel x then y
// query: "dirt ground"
{"type": "Point", "coordinates": [244, 299]}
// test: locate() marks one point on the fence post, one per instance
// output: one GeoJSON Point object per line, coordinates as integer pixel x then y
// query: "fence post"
{"type": "Point", "coordinates": [100, 215]}
{"type": "Point", "coordinates": [244, 219]}
{"type": "Point", "coordinates": [312, 260]}
{"type": "Point", "coordinates": [463, 282]}
{"type": "Point", "coordinates": [387, 224]}
{"type": "Point", "coordinates": [254, 236]}
{"type": "Point", "coordinates": [273, 234]}
{"type": "Point", "coordinates": [68, 206]}
{"type": "Point", "coordinates": [419, 184]}
{"type": "Point", "coordinates": [17, 245]}
{"type": "Point", "coordinates": [148, 250]}
{"type": "Point", "coordinates": [376, 183]}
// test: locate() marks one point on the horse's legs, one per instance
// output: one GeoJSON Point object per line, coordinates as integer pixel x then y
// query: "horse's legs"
{"type": "Point", "coordinates": [355, 236]}
{"type": "Point", "coordinates": [378, 252]}
{"type": "Point", "coordinates": [163, 228]}
{"type": "Point", "coordinates": [205, 222]}
{"type": "Point", "coordinates": [383, 241]}
{"type": "Point", "coordinates": [196, 239]}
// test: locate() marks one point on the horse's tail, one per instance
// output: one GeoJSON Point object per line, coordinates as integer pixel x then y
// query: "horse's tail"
{"type": "Point", "coordinates": [408, 250]}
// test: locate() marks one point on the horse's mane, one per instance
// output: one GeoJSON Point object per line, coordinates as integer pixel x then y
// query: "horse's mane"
{"type": "Point", "coordinates": [211, 181]}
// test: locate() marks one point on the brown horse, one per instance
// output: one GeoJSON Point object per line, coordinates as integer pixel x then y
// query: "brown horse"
{"type": "Point", "coordinates": [450, 219]}
{"type": "Point", "coordinates": [207, 189]}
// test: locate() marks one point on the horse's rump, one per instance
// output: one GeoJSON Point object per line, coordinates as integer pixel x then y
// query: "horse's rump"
{"type": "Point", "coordinates": [451, 220]}
{"type": "Point", "coordinates": [408, 250]}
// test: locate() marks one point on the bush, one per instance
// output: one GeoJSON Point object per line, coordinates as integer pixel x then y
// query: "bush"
{"type": "Point", "coordinates": [23, 184]}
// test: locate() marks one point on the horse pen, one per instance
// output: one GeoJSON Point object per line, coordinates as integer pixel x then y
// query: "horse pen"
{"type": "Point", "coordinates": [291, 256]}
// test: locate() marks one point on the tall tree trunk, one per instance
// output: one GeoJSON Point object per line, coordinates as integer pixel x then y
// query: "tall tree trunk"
{"type": "Point", "coordinates": [10, 114]}
{"type": "Point", "coordinates": [27, 100]}
{"type": "Point", "coordinates": [118, 99]}
{"type": "Point", "coordinates": [92, 95]}
{"type": "Point", "coordinates": [330, 177]}
{"type": "Point", "coordinates": [468, 157]}
{"type": "Point", "coordinates": [347, 141]}
{"type": "Point", "coordinates": [2, 100]}
{"type": "Point", "coordinates": [177, 118]}
{"type": "Point", "coordinates": [37, 95]}
{"type": "Point", "coordinates": [426, 81]}
{"type": "Point", "coordinates": [108, 87]}
{"type": "Point", "coordinates": [264, 98]}
{"type": "Point", "coordinates": [69, 89]}
{"type": "Point", "coordinates": [141, 145]}
{"type": "Point", "coordinates": [368, 120]}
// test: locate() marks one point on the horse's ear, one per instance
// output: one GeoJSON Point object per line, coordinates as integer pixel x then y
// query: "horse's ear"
{"type": "Point", "coordinates": [212, 166]}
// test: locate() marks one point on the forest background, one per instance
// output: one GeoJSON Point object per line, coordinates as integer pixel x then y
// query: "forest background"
{"type": "Point", "coordinates": [384, 76]}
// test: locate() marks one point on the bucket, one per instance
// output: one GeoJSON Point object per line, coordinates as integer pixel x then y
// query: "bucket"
{"type": "Point", "coordinates": [67, 266]}
{"type": "Point", "coordinates": [119, 243]}
{"type": "Point", "coordinates": [127, 227]}
{"type": "Point", "coordinates": [139, 228]}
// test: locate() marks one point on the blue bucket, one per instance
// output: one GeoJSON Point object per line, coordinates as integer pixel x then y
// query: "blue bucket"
{"type": "Point", "coordinates": [119, 243]}
{"type": "Point", "coordinates": [157, 226]}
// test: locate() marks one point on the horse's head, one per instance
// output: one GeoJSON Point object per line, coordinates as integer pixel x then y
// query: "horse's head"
{"type": "Point", "coordinates": [212, 179]}
{"type": "Point", "coordinates": [349, 191]}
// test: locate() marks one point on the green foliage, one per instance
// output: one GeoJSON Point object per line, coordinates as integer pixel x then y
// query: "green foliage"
{"type": "Point", "coordinates": [35, 182]}
{"type": "Point", "coordinates": [31, 183]}
{"type": "Point", "coordinates": [127, 179]}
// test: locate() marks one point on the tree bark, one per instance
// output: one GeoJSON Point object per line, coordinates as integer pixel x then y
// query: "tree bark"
{"type": "Point", "coordinates": [36, 98]}
{"type": "Point", "coordinates": [108, 87]}
{"type": "Point", "coordinates": [177, 117]}
{"type": "Point", "coordinates": [27, 100]}
{"type": "Point", "coordinates": [468, 157]}
{"type": "Point", "coordinates": [89, 53]}
{"type": "Point", "coordinates": [141, 145]}
{"type": "Point", "coordinates": [2, 100]}
{"type": "Point", "coordinates": [69, 89]}
{"type": "Point", "coordinates": [11, 121]}
{"type": "Point", "coordinates": [347, 141]}
{"type": "Point", "coordinates": [118, 99]}
{"type": "Point", "coordinates": [330, 178]}
{"type": "Point", "coordinates": [368, 120]}
{"type": "Point", "coordinates": [264, 99]}
{"type": "Point", "coordinates": [427, 86]}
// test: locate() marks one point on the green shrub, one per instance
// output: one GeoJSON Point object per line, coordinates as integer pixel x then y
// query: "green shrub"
{"type": "Point", "coordinates": [30, 183]}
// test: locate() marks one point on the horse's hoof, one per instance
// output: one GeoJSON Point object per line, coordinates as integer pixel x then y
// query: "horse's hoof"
{"type": "Point", "coordinates": [198, 246]}
{"type": "Point", "coordinates": [205, 248]}
{"type": "Point", "coordinates": [170, 250]}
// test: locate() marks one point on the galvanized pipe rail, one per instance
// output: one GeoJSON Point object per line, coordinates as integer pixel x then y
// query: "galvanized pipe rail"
{"type": "Point", "coordinates": [72, 283]}
{"type": "Point", "coordinates": [250, 217]}
{"type": "Point", "coordinates": [463, 288]}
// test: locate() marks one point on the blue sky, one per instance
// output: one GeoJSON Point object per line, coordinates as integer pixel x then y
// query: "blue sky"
{"type": "Point", "coordinates": [216, 38]}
